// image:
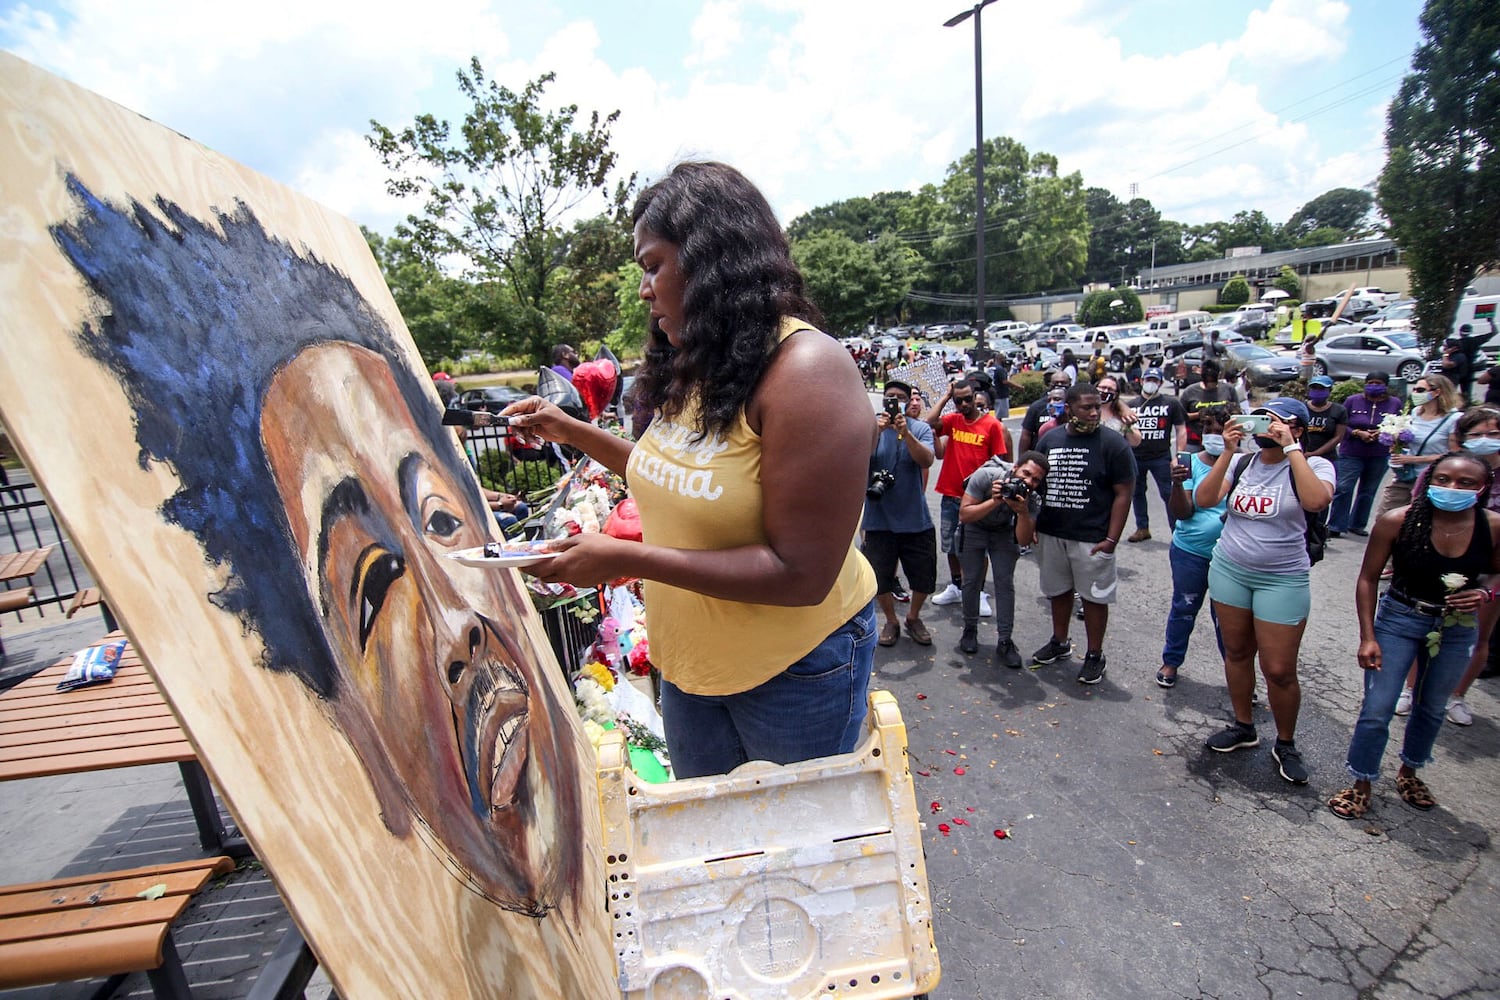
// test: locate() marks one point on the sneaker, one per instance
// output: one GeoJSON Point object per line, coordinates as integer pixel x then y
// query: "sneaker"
{"type": "Point", "coordinates": [1141, 535]}
{"type": "Point", "coordinates": [1403, 703]}
{"type": "Point", "coordinates": [1458, 712]}
{"type": "Point", "coordinates": [1053, 651]}
{"type": "Point", "coordinates": [900, 594]}
{"type": "Point", "coordinates": [1092, 671]}
{"type": "Point", "coordinates": [1236, 736]}
{"type": "Point", "coordinates": [952, 595]}
{"type": "Point", "coordinates": [1289, 762]}
{"type": "Point", "coordinates": [1007, 653]}
{"type": "Point", "coordinates": [969, 641]}
{"type": "Point", "coordinates": [1024, 551]}
{"type": "Point", "coordinates": [984, 605]}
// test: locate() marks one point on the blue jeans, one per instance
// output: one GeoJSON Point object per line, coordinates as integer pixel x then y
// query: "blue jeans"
{"type": "Point", "coordinates": [1402, 634]}
{"type": "Point", "coordinates": [1365, 473]}
{"type": "Point", "coordinates": [1189, 590]}
{"type": "Point", "coordinates": [814, 708]}
{"type": "Point", "coordinates": [1161, 470]}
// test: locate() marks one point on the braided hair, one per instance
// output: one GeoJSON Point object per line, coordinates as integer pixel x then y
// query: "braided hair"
{"type": "Point", "coordinates": [1415, 535]}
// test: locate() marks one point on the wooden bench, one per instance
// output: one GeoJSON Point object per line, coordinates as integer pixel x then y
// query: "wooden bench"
{"type": "Point", "coordinates": [88, 597]}
{"type": "Point", "coordinates": [16, 565]}
{"type": "Point", "coordinates": [99, 925]}
{"type": "Point", "coordinates": [13, 600]}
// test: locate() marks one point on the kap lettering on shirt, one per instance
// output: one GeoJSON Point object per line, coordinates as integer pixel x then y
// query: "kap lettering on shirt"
{"type": "Point", "coordinates": [680, 476]}
{"type": "Point", "coordinates": [1258, 503]}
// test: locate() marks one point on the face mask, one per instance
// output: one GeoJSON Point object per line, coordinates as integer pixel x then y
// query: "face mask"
{"type": "Point", "coordinates": [1375, 390]}
{"type": "Point", "coordinates": [1213, 444]}
{"type": "Point", "coordinates": [1266, 441]}
{"type": "Point", "coordinates": [1447, 498]}
{"type": "Point", "coordinates": [1080, 426]}
{"type": "Point", "coordinates": [1319, 396]}
{"type": "Point", "coordinates": [1482, 446]}
{"type": "Point", "coordinates": [1105, 396]}
{"type": "Point", "coordinates": [1418, 397]}
{"type": "Point", "coordinates": [1056, 409]}
{"type": "Point", "coordinates": [1150, 388]}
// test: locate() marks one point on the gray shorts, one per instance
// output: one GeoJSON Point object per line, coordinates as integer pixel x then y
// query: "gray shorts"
{"type": "Point", "coordinates": [1066, 566]}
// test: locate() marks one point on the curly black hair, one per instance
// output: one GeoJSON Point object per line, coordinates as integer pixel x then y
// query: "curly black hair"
{"type": "Point", "coordinates": [739, 281]}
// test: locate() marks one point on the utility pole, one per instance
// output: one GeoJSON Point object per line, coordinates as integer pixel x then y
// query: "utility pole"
{"type": "Point", "coordinates": [979, 311]}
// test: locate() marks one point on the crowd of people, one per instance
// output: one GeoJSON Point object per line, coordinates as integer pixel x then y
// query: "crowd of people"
{"type": "Point", "coordinates": [1252, 492]}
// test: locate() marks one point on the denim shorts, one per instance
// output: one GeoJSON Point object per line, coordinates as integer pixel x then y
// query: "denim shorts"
{"type": "Point", "coordinates": [814, 708]}
{"type": "Point", "coordinates": [1279, 598]}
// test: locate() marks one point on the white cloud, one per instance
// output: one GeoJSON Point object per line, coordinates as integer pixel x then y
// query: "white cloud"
{"type": "Point", "coordinates": [715, 31]}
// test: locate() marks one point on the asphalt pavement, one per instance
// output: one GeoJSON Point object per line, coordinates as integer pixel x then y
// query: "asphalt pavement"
{"type": "Point", "coordinates": [1138, 863]}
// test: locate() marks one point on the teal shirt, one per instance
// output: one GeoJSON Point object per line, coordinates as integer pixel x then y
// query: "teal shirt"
{"type": "Point", "coordinates": [1197, 534]}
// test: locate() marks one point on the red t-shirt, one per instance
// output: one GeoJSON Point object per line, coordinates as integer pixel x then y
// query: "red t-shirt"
{"type": "Point", "coordinates": [970, 445]}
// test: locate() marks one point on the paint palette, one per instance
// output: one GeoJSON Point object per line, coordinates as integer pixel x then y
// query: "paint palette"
{"type": "Point", "coordinates": [514, 554]}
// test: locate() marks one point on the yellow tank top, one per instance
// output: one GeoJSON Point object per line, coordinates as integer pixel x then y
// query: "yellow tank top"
{"type": "Point", "coordinates": [707, 495]}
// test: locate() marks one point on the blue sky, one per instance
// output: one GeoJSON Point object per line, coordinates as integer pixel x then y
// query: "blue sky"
{"type": "Point", "coordinates": [1208, 107]}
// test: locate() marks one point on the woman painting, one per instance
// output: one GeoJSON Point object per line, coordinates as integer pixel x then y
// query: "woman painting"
{"type": "Point", "coordinates": [750, 484]}
{"type": "Point", "coordinates": [1442, 544]}
{"type": "Point", "coordinates": [1258, 578]}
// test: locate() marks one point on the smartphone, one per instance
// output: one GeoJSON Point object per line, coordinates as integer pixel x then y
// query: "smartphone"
{"type": "Point", "coordinates": [1185, 459]}
{"type": "Point", "coordinates": [1254, 423]}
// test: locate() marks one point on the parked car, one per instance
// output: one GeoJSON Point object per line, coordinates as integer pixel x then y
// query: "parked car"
{"type": "Point", "coordinates": [1375, 295]}
{"type": "Point", "coordinates": [1196, 341]}
{"type": "Point", "coordinates": [1344, 355]}
{"type": "Point", "coordinates": [1118, 342]}
{"type": "Point", "coordinates": [493, 398]}
{"type": "Point", "coordinates": [1262, 367]}
{"type": "Point", "coordinates": [1013, 351]}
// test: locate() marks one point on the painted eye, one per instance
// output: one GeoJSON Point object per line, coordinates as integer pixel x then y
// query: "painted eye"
{"type": "Point", "coordinates": [379, 569]}
{"type": "Point", "coordinates": [442, 524]}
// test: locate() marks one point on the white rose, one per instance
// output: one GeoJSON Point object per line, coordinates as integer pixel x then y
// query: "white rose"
{"type": "Point", "coordinates": [1453, 581]}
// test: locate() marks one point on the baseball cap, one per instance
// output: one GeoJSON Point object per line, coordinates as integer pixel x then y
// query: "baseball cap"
{"type": "Point", "coordinates": [1286, 408]}
{"type": "Point", "coordinates": [896, 383]}
{"type": "Point", "coordinates": [442, 377]}
{"type": "Point", "coordinates": [1151, 373]}
{"type": "Point", "coordinates": [1322, 380]}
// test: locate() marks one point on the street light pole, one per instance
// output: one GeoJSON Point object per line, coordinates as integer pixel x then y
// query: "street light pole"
{"type": "Point", "coordinates": [978, 166]}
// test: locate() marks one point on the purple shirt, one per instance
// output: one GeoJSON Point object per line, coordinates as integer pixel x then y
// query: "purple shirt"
{"type": "Point", "coordinates": [564, 371]}
{"type": "Point", "coordinates": [1365, 414]}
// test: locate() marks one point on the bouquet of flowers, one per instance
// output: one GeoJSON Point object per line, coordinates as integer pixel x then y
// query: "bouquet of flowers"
{"type": "Point", "coordinates": [1454, 582]}
{"type": "Point", "coordinates": [1395, 432]}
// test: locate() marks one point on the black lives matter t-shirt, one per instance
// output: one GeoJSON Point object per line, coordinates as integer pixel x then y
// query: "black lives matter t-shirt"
{"type": "Point", "coordinates": [1156, 418]}
{"type": "Point", "coordinates": [1321, 427]}
{"type": "Point", "coordinates": [1083, 470]}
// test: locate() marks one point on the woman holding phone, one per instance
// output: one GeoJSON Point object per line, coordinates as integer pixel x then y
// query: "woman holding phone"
{"type": "Point", "coordinates": [1259, 576]}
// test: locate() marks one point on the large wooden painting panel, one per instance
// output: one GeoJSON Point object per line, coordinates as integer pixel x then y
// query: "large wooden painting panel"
{"type": "Point", "coordinates": [210, 380]}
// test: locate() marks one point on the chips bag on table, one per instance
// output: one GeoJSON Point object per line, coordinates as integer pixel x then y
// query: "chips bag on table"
{"type": "Point", "coordinates": [95, 665]}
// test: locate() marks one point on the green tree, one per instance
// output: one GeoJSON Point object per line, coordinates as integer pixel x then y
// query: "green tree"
{"type": "Point", "coordinates": [1344, 209]}
{"type": "Point", "coordinates": [1288, 282]}
{"type": "Point", "coordinates": [853, 282]}
{"type": "Point", "coordinates": [1440, 188]}
{"type": "Point", "coordinates": [1125, 237]}
{"type": "Point", "coordinates": [860, 219]}
{"type": "Point", "coordinates": [495, 193]}
{"type": "Point", "coordinates": [633, 314]}
{"type": "Point", "coordinates": [1321, 237]}
{"type": "Point", "coordinates": [439, 311]}
{"type": "Point", "coordinates": [583, 301]}
{"type": "Point", "coordinates": [1236, 291]}
{"type": "Point", "coordinates": [1095, 309]}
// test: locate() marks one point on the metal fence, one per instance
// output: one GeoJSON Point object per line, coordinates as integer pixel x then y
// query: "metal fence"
{"type": "Point", "coordinates": [29, 525]}
{"type": "Point", "coordinates": [503, 465]}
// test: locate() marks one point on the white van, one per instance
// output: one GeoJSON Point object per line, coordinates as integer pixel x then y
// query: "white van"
{"type": "Point", "coordinates": [1175, 326]}
{"type": "Point", "coordinates": [1478, 312]}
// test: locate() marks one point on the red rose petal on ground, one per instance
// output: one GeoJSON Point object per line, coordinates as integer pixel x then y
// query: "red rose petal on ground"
{"type": "Point", "coordinates": [937, 806]}
{"type": "Point", "coordinates": [958, 770]}
{"type": "Point", "coordinates": [943, 829]}
{"type": "Point", "coordinates": [960, 821]}
{"type": "Point", "coordinates": [925, 774]}
{"type": "Point", "coordinates": [921, 697]}
{"type": "Point", "coordinates": [1002, 834]}
{"type": "Point", "coordinates": [970, 808]}
{"type": "Point", "coordinates": [953, 752]}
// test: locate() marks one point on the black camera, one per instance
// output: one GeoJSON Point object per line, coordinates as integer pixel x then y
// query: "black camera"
{"type": "Point", "coordinates": [1014, 488]}
{"type": "Point", "coordinates": [893, 407]}
{"type": "Point", "coordinates": [880, 481]}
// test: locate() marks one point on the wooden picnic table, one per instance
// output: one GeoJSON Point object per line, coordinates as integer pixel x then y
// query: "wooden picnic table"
{"type": "Point", "coordinates": [123, 723]}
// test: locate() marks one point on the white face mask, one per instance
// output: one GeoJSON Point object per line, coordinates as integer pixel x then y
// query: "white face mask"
{"type": "Point", "coordinates": [1150, 388]}
{"type": "Point", "coordinates": [1213, 444]}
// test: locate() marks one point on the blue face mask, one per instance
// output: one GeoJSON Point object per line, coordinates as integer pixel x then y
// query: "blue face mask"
{"type": "Point", "coordinates": [1213, 444]}
{"type": "Point", "coordinates": [1482, 446]}
{"type": "Point", "coordinates": [1447, 498]}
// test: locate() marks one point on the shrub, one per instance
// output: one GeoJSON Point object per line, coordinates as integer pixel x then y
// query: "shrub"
{"type": "Point", "coordinates": [1095, 310]}
{"type": "Point", "coordinates": [492, 464]}
{"type": "Point", "coordinates": [1236, 291]}
{"type": "Point", "coordinates": [1218, 308]}
{"type": "Point", "coordinates": [1033, 385]}
{"type": "Point", "coordinates": [1349, 387]}
{"type": "Point", "coordinates": [1288, 282]}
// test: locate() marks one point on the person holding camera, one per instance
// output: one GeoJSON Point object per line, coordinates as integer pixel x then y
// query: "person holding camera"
{"type": "Point", "coordinates": [997, 516]}
{"type": "Point", "coordinates": [897, 526]}
{"type": "Point", "coordinates": [964, 439]}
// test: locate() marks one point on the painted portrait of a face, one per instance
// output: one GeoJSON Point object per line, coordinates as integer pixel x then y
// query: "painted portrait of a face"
{"type": "Point", "coordinates": [314, 467]}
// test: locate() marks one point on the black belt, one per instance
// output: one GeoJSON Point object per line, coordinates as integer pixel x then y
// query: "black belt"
{"type": "Point", "coordinates": [1423, 607]}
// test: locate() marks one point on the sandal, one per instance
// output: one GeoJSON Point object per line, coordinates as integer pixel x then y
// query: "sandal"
{"type": "Point", "coordinates": [1351, 803]}
{"type": "Point", "coordinates": [1166, 680]}
{"type": "Point", "coordinates": [889, 633]}
{"type": "Point", "coordinates": [1414, 792]}
{"type": "Point", "coordinates": [918, 632]}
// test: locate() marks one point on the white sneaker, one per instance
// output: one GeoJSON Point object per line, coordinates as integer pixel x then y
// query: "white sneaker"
{"type": "Point", "coordinates": [984, 605]}
{"type": "Point", "coordinates": [1403, 703]}
{"type": "Point", "coordinates": [1458, 712]}
{"type": "Point", "coordinates": [950, 596]}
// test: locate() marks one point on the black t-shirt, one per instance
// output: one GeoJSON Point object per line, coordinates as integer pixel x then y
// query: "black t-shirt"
{"type": "Point", "coordinates": [1156, 417]}
{"type": "Point", "coordinates": [1492, 391]}
{"type": "Point", "coordinates": [1036, 415]}
{"type": "Point", "coordinates": [1321, 427]}
{"type": "Point", "coordinates": [998, 375]}
{"type": "Point", "coordinates": [1083, 470]}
